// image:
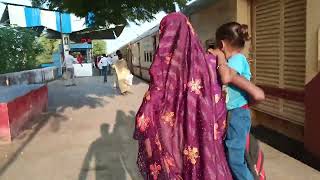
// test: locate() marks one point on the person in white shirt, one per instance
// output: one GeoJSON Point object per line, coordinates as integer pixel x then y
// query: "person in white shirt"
{"type": "Point", "coordinates": [109, 58]}
{"type": "Point", "coordinates": [100, 65]}
{"type": "Point", "coordinates": [106, 62]}
{"type": "Point", "coordinates": [69, 60]}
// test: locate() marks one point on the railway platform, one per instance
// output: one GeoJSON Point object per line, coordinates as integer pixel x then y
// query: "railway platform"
{"type": "Point", "coordinates": [87, 134]}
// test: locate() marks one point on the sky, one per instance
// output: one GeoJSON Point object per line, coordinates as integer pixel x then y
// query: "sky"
{"type": "Point", "coordinates": [129, 33]}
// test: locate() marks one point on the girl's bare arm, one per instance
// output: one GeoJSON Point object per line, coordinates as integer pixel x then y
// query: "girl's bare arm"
{"type": "Point", "coordinates": [254, 91]}
{"type": "Point", "coordinates": [228, 75]}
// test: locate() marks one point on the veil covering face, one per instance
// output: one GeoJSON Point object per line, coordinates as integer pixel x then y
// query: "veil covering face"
{"type": "Point", "coordinates": [183, 113]}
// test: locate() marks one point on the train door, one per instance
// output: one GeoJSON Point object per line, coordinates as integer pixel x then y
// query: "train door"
{"type": "Point", "coordinates": [129, 52]}
{"type": "Point", "coordinates": [135, 59]}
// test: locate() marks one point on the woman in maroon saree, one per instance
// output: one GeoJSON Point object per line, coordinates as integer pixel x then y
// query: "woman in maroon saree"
{"type": "Point", "coordinates": [181, 123]}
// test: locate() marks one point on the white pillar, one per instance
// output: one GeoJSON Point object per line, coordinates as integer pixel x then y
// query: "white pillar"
{"type": "Point", "coordinates": [66, 43]}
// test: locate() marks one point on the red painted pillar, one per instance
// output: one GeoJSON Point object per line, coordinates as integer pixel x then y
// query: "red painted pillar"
{"type": "Point", "coordinates": [4, 124]}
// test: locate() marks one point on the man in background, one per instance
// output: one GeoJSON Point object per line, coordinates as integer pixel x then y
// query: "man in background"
{"type": "Point", "coordinates": [68, 64]}
{"type": "Point", "coordinates": [105, 62]}
{"type": "Point", "coordinates": [110, 61]}
{"type": "Point", "coordinates": [99, 65]}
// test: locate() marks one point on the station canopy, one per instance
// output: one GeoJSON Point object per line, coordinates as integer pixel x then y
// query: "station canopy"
{"type": "Point", "coordinates": [55, 23]}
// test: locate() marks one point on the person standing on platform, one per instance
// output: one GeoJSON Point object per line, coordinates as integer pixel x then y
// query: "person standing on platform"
{"type": "Point", "coordinates": [80, 59]}
{"type": "Point", "coordinates": [99, 65]}
{"type": "Point", "coordinates": [68, 64]}
{"type": "Point", "coordinates": [110, 62]}
{"type": "Point", "coordinates": [105, 67]}
{"type": "Point", "coordinates": [181, 124]}
{"type": "Point", "coordinates": [231, 39]}
{"type": "Point", "coordinates": [114, 59]}
{"type": "Point", "coordinates": [122, 73]}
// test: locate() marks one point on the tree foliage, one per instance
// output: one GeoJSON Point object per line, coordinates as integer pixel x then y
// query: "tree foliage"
{"type": "Point", "coordinates": [99, 47]}
{"type": "Point", "coordinates": [108, 12]}
{"type": "Point", "coordinates": [49, 47]}
{"type": "Point", "coordinates": [18, 49]}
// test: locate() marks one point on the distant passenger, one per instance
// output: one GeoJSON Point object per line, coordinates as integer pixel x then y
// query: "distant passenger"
{"type": "Point", "coordinates": [110, 62]}
{"type": "Point", "coordinates": [68, 64]}
{"type": "Point", "coordinates": [80, 58]}
{"type": "Point", "coordinates": [122, 73]}
{"type": "Point", "coordinates": [105, 62]}
{"type": "Point", "coordinates": [114, 60]}
{"type": "Point", "coordinates": [99, 65]}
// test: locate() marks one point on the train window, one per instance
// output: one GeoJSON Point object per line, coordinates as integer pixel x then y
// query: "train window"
{"type": "Point", "coordinates": [145, 57]}
{"type": "Point", "coordinates": [150, 57]}
{"type": "Point", "coordinates": [154, 43]}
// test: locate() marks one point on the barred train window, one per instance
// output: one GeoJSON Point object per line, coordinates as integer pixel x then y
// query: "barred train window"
{"type": "Point", "coordinates": [280, 27]}
{"type": "Point", "coordinates": [148, 56]}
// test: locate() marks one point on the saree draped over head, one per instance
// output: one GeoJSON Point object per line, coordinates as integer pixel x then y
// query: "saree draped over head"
{"type": "Point", "coordinates": [183, 114]}
{"type": "Point", "coordinates": [122, 72]}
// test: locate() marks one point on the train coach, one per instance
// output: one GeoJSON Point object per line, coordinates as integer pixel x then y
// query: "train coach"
{"type": "Point", "coordinates": [139, 53]}
{"type": "Point", "coordinates": [284, 54]}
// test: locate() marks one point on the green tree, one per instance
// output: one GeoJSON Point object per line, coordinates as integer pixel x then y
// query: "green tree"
{"type": "Point", "coordinates": [108, 12]}
{"type": "Point", "coordinates": [18, 49]}
{"type": "Point", "coordinates": [49, 47]}
{"type": "Point", "coordinates": [99, 47]}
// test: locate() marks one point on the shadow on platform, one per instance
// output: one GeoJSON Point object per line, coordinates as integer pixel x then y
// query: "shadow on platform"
{"type": "Point", "coordinates": [113, 155]}
{"type": "Point", "coordinates": [118, 146]}
{"type": "Point", "coordinates": [89, 92]}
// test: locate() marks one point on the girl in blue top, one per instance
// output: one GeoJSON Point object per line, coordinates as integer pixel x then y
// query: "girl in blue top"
{"type": "Point", "coordinates": [231, 38]}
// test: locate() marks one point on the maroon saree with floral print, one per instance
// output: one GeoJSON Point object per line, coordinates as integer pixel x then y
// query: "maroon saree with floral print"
{"type": "Point", "coordinates": [183, 114]}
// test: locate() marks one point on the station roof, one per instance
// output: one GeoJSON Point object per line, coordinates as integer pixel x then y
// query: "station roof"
{"type": "Point", "coordinates": [54, 22]}
{"type": "Point", "coordinates": [105, 33]}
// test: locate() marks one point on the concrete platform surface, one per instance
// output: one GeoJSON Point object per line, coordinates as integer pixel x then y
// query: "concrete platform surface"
{"type": "Point", "coordinates": [87, 135]}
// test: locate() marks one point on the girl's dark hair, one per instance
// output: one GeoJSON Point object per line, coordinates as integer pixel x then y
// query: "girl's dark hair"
{"type": "Point", "coordinates": [236, 34]}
